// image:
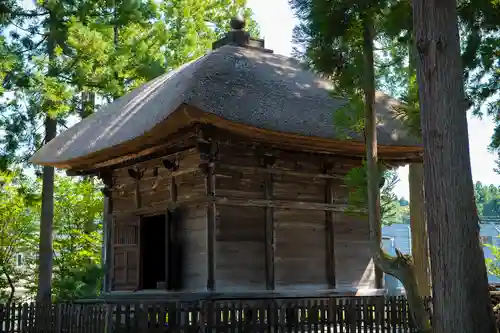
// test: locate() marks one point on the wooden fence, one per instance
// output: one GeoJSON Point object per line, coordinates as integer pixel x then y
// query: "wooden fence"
{"type": "Point", "coordinates": [332, 315]}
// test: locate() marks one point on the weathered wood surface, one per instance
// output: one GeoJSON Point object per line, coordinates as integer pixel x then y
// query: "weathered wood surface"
{"type": "Point", "coordinates": [300, 249]}
{"type": "Point", "coordinates": [154, 186]}
{"type": "Point", "coordinates": [195, 247]}
{"type": "Point", "coordinates": [301, 213]}
{"type": "Point", "coordinates": [158, 189]}
{"type": "Point", "coordinates": [352, 251]}
{"type": "Point", "coordinates": [126, 252]}
{"type": "Point", "coordinates": [240, 248]}
{"type": "Point", "coordinates": [368, 315]}
{"type": "Point", "coordinates": [277, 217]}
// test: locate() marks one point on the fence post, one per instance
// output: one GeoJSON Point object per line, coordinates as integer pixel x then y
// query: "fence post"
{"type": "Point", "coordinates": [108, 321]}
{"type": "Point", "coordinates": [58, 318]}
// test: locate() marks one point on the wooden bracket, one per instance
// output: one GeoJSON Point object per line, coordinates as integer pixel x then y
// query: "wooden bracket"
{"type": "Point", "coordinates": [107, 179]}
{"type": "Point", "coordinates": [267, 160]}
{"type": "Point", "coordinates": [135, 173]}
{"type": "Point", "coordinates": [209, 151]}
{"type": "Point", "coordinates": [106, 191]}
{"type": "Point", "coordinates": [266, 157]}
{"type": "Point", "coordinates": [326, 167]}
{"type": "Point", "coordinates": [171, 165]}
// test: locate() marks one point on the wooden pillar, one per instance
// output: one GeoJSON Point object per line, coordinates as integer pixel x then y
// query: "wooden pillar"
{"type": "Point", "coordinates": [210, 191]}
{"type": "Point", "coordinates": [418, 223]}
{"type": "Point", "coordinates": [269, 236]}
{"type": "Point", "coordinates": [208, 148]}
{"type": "Point", "coordinates": [107, 231]}
{"type": "Point", "coordinates": [329, 233]}
{"type": "Point", "coordinates": [137, 176]}
{"type": "Point", "coordinates": [170, 215]}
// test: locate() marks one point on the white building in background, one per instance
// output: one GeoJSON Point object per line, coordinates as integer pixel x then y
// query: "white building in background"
{"type": "Point", "coordinates": [398, 236]}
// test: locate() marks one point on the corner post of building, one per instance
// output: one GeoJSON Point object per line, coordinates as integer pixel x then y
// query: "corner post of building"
{"type": "Point", "coordinates": [329, 231]}
{"type": "Point", "coordinates": [171, 216]}
{"type": "Point", "coordinates": [107, 180]}
{"type": "Point", "coordinates": [207, 146]}
{"type": "Point", "coordinates": [418, 224]}
{"type": "Point", "coordinates": [267, 160]}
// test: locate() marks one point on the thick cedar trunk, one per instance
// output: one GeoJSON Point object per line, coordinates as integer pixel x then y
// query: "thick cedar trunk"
{"type": "Point", "coordinates": [460, 285]}
{"type": "Point", "coordinates": [401, 267]}
{"type": "Point", "coordinates": [418, 223]}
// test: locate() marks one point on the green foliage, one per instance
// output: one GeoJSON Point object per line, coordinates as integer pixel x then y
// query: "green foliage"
{"type": "Point", "coordinates": [18, 226]}
{"type": "Point", "coordinates": [357, 198]}
{"type": "Point", "coordinates": [349, 119]}
{"type": "Point", "coordinates": [493, 264]}
{"type": "Point", "coordinates": [106, 48]}
{"type": "Point", "coordinates": [487, 199]}
{"type": "Point", "coordinates": [77, 243]}
{"type": "Point", "coordinates": [77, 236]}
{"type": "Point", "coordinates": [53, 53]}
{"type": "Point", "coordinates": [77, 240]}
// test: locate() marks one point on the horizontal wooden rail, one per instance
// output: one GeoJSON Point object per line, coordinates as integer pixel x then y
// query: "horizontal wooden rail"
{"type": "Point", "coordinates": [284, 204]}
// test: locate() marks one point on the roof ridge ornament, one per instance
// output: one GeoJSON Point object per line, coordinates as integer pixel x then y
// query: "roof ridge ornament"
{"type": "Point", "coordinates": [237, 23]}
{"type": "Point", "coordinates": [237, 36]}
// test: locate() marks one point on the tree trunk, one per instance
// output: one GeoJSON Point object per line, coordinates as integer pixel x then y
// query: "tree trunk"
{"type": "Point", "coordinates": [88, 108]}
{"type": "Point", "coordinates": [47, 210]}
{"type": "Point", "coordinates": [418, 223]}
{"type": "Point", "coordinates": [46, 221]}
{"type": "Point", "coordinates": [460, 287]}
{"type": "Point", "coordinates": [401, 267]}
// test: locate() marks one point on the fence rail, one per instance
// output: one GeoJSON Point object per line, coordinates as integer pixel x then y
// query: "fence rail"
{"type": "Point", "coordinates": [332, 315]}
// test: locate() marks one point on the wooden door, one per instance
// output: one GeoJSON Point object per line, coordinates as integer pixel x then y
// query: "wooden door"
{"type": "Point", "coordinates": [126, 254]}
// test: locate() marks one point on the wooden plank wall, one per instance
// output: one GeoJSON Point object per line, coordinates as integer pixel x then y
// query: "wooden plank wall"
{"type": "Point", "coordinates": [300, 241]}
{"type": "Point", "coordinates": [240, 233]}
{"type": "Point", "coordinates": [194, 228]}
{"type": "Point", "coordinates": [355, 268]}
{"type": "Point", "coordinates": [157, 190]}
{"type": "Point", "coordinates": [272, 227]}
{"type": "Point", "coordinates": [300, 235]}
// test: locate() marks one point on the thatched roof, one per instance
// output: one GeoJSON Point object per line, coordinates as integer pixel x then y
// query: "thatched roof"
{"type": "Point", "coordinates": [241, 85]}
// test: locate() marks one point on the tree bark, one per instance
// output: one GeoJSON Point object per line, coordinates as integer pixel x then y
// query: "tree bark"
{"type": "Point", "coordinates": [418, 223]}
{"type": "Point", "coordinates": [46, 221]}
{"type": "Point", "coordinates": [460, 287]}
{"type": "Point", "coordinates": [401, 267]}
{"type": "Point", "coordinates": [47, 209]}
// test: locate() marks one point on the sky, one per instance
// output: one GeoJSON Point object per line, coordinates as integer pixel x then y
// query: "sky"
{"type": "Point", "coordinates": [276, 22]}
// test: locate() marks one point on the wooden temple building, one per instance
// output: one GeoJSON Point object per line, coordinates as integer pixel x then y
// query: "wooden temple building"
{"type": "Point", "coordinates": [226, 175]}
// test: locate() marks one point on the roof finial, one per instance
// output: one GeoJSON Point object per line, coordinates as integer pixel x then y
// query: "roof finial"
{"type": "Point", "coordinates": [237, 23]}
{"type": "Point", "coordinates": [237, 36]}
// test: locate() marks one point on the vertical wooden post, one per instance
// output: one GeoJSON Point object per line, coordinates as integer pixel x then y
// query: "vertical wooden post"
{"type": "Point", "coordinates": [329, 230]}
{"type": "Point", "coordinates": [418, 224]}
{"type": "Point", "coordinates": [269, 234]}
{"type": "Point", "coordinates": [106, 258]}
{"type": "Point", "coordinates": [168, 237]}
{"type": "Point", "coordinates": [137, 176]}
{"type": "Point", "coordinates": [137, 193]}
{"type": "Point", "coordinates": [208, 149]}
{"type": "Point", "coordinates": [210, 191]}
{"type": "Point", "coordinates": [107, 229]}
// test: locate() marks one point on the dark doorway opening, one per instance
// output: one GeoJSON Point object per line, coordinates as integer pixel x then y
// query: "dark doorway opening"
{"type": "Point", "coordinates": [153, 246]}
